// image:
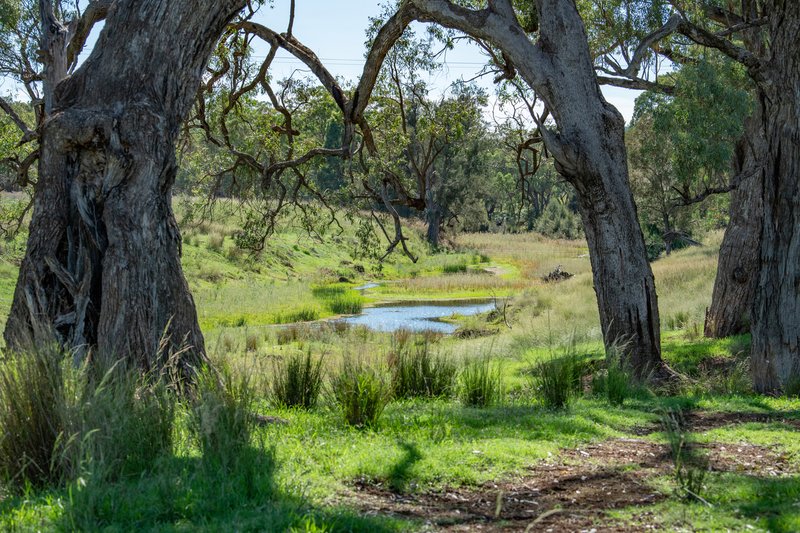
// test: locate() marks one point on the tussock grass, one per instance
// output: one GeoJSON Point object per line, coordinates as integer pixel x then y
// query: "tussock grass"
{"type": "Point", "coordinates": [418, 371]}
{"type": "Point", "coordinates": [297, 381]}
{"type": "Point", "coordinates": [61, 422]}
{"type": "Point", "coordinates": [480, 383]}
{"type": "Point", "coordinates": [361, 390]}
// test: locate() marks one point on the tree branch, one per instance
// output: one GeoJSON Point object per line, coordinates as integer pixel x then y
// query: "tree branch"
{"type": "Point", "coordinates": [96, 11]}
{"type": "Point", "coordinates": [27, 133]}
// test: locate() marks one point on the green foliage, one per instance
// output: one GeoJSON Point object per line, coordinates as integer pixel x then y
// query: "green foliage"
{"type": "Point", "coordinates": [361, 391]}
{"type": "Point", "coordinates": [682, 145]}
{"type": "Point", "coordinates": [297, 381]}
{"type": "Point", "coordinates": [339, 299]}
{"type": "Point", "coordinates": [558, 221]}
{"type": "Point", "coordinates": [615, 381]}
{"type": "Point", "coordinates": [417, 371]}
{"type": "Point", "coordinates": [480, 383]}
{"type": "Point", "coordinates": [454, 268]}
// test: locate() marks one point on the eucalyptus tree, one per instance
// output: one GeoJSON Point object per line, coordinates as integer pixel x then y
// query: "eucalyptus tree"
{"type": "Point", "coordinates": [551, 55]}
{"type": "Point", "coordinates": [761, 35]}
{"type": "Point", "coordinates": [102, 265]}
{"type": "Point", "coordinates": [681, 145]}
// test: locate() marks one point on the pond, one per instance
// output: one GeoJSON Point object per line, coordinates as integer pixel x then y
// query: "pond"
{"type": "Point", "coordinates": [417, 316]}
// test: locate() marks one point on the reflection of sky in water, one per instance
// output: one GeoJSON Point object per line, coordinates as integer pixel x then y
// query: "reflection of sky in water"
{"type": "Point", "coordinates": [421, 317]}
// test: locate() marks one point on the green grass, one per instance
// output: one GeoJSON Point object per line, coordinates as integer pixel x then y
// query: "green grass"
{"type": "Point", "coordinates": [291, 476]}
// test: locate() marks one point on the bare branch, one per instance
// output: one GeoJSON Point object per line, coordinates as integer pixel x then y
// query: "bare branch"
{"type": "Point", "coordinates": [96, 11]}
{"type": "Point", "coordinates": [27, 133]}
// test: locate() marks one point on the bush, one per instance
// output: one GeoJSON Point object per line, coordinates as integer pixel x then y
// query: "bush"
{"type": "Point", "coordinates": [297, 381]}
{"type": "Point", "coordinates": [480, 383]}
{"type": "Point", "coordinates": [559, 222]}
{"type": "Point", "coordinates": [361, 392]}
{"type": "Point", "coordinates": [417, 371]}
{"type": "Point", "coordinates": [557, 379]}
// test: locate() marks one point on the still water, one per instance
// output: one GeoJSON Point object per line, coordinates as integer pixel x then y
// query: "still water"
{"type": "Point", "coordinates": [417, 316]}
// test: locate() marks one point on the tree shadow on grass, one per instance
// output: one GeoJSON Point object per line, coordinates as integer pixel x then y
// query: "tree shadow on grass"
{"type": "Point", "coordinates": [400, 474]}
{"type": "Point", "coordinates": [188, 494]}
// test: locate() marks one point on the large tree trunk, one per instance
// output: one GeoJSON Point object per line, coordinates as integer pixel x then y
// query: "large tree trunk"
{"type": "Point", "coordinates": [776, 309]}
{"type": "Point", "coordinates": [102, 267]}
{"type": "Point", "coordinates": [737, 272]}
{"type": "Point", "coordinates": [589, 149]}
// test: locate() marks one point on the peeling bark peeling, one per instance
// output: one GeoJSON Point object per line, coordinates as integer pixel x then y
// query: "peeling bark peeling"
{"type": "Point", "coordinates": [589, 151]}
{"type": "Point", "coordinates": [102, 268]}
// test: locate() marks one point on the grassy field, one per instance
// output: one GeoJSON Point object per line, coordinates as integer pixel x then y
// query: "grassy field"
{"type": "Point", "coordinates": [487, 449]}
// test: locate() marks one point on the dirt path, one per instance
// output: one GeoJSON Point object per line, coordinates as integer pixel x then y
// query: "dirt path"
{"type": "Point", "coordinates": [573, 493]}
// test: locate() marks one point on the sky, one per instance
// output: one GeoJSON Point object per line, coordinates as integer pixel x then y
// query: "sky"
{"type": "Point", "coordinates": [336, 31]}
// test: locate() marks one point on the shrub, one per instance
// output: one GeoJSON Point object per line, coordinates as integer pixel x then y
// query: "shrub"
{"type": "Point", "coordinates": [558, 221]}
{"type": "Point", "coordinates": [361, 392]}
{"type": "Point", "coordinates": [480, 383]}
{"type": "Point", "coordinates": [297, 381]}
{"type": "Point", "coordinates": [557, 379]}
{"type": "Point", "coordinates": [417, 371]}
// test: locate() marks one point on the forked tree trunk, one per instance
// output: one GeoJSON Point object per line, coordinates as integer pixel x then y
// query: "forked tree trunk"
{"type": "Point", "coordinates": [589, 149]}
{"type": "Point", "coordinates": [102, 268]}
{"type": "Point", "coordinates": [776, 310]}
{"type": "Point", "coordinates": [737, 272]}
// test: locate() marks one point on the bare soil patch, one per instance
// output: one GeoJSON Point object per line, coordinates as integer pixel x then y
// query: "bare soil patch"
{"type": "Point", "coordinates": [573, 493]}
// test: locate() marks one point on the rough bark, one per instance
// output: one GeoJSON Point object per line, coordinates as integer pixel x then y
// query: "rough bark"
{"type": "Point", "coordinates": [102, 266]}
{"type": "Point", "coordinates": [776, 309]}
{"type": "Point", "coordinates": [590, 153]}
{"type": "Point", "coordinates": [737, 272]}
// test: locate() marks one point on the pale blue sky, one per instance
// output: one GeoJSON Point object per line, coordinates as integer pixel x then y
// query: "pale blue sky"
{"type": "Point", "coordinates": [335, 30]}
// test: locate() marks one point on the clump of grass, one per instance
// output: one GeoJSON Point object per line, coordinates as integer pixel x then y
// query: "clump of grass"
{"type": "Point", "coordinates": [221, 416]}
{"type": "Point", "coordinates": [454, 268]}
{"type": "Point", "coordinates": [339, 299]}
{"type": "Point", "coordinates": [297, 381]}
{"type": "Point", "coordinates": [419, 372]}
{"type": "Point", "coordinates": [216, 242]}
{"type": "Point", "coordinates": [615, 382]}
{"type": "Point", "coordinates": [678, 320]}
{"type": "Point", "coordinates": [557, 379]}
{"type": "Point", "coordinates": [32, 405]}
{"type": "Point", "coordinates": [60, 421]}
{"type": "Point", "coordinates": [690, 465]}
{"type": "Point", "coordinates": [303, 314]}
{"type": "Point", "coordinates": [480, 383]}
{"type": "Point", "coordinates": [252, 341]}
{"type": "Point", "coordinates": [361, 391]}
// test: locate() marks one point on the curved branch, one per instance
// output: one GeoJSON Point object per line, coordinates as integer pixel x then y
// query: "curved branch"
{"type": "Point", "coordinates": [82, 27]}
